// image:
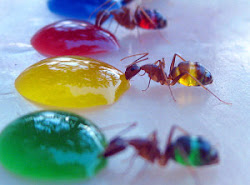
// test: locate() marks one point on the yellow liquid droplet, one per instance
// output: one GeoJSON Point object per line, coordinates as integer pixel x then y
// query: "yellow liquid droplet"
{"type": "Point", "coordinates": [72, 81]}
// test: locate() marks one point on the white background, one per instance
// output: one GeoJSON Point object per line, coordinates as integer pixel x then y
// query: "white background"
{"type": "Point", "coordinates": [214, 33]}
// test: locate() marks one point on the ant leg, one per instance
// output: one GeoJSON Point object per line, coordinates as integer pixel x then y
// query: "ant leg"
{"type": "Point", "coordinates": [131, 126]}
{"type": "Point", "coordinates": [158, 62]}
{"type": "Point", "coordinates": [103, 4]}
{"type": "Point", "coordinates": [172, 130]}
{"type": "Point", "coordinates": [110, 22]}
{"type": "Point", "coordinates": [148, 85]}
{"type": "Point", "coordinates": [171, 93]}
{"type": "Point", "coordinates": [162, 36]}
{"type": "Point", "coordinates": [194, 175]}
{"type": "Point", "coordinates": [137, 29]}
{"type": "Point", "coordinates": [162, 65]}
{"type": "Point", "coordinates": [153, 136]}
{"type": "Point", "coordinates": [141, 172]}
{"type": "Point", "coordinates": [101, 17]}
{"type": "Point", "coordinates": [143, 74]}
{"type": "Point", "coordinates": [116, 28]}
{"type": "Point", "coordinates": [167, 154]}
{"type": "Point", "coordinates": [173, 61]}
{"type": "Point", "coordinates": [201, 86]}
{"type": "Point", "coordinates": [138, 33]}
{"type": "Point", "coordinates": [146, 15]}
{"type": "Point", "coordinates": [131, 163]}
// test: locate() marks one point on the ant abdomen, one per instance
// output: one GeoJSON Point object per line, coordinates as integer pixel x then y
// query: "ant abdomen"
{"type": "Point", "coordinates": [194, 151]}
{"type": "Point", "coordinates": [156, 21]}
{"type": "Point", "coordinates": [196, 70]}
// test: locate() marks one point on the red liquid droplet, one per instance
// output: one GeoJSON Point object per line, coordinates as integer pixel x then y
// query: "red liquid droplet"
{"type": "Point", "coordinates": [70, 37]}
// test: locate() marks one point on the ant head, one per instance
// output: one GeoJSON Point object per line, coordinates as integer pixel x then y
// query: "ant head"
{"type": "Point", "coordinates": [131, 71]}
{"type": "Point", "coordinates": [208, 79]}
{"type": "Point", "coordinates": [115, 146]}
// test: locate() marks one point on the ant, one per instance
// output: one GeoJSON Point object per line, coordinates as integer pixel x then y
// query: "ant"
{"type": "Point", "coordinates": [186, 73]}
{"type": "Point", "coordinates": [187, 149]}
{"type": "Point", "coordinates": [129, 18]}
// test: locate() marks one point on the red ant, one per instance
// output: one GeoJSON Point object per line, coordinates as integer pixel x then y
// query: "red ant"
{"type": "Point", "coordinates": [125, 16]}
{"type": "Point", "coordinates": [187, 150]}
{"type": "Point", "coordinates": [186, 73]}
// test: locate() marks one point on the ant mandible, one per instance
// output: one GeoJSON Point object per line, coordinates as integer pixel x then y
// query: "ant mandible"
{"type": "Point", "coordinates": [187, 149]}
{"type": "Point", "coordinates": [129, 18]}
{"type": "Point", "coordinates": [186, 73]}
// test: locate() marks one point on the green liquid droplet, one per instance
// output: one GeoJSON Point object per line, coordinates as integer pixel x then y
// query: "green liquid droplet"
{"type": "Point", "coordinates": [52, 145]}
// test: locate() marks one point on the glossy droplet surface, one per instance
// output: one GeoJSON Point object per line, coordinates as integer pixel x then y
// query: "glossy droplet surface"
{"type": "Point", "coordinates": [72, 81]}
{"type": "Point", "coordinates": [80, 9]}
{"type": "Point", "coordinates": [52, 145]}
{"type": "Point", "coordinates": [71, 37]}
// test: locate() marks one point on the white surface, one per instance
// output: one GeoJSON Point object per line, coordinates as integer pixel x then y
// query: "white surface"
{"type": "Point", "coordinates": [215, 33]}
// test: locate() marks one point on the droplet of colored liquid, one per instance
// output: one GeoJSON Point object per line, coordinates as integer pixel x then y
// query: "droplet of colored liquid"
{"type": "Point", "coordinates": [52, 145]}
{"type": "Point", "coordinates": [80, 9]}
{"type": "Point", "coordinates": [71, 37]}
{"type": "Point", "coordinates": [72, 81]}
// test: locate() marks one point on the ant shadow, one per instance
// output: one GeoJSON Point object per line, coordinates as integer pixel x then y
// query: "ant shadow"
{"type": "Point", "coordinates": [143, 40]}
{"type": "Point", "coordinates": [176, 175]}
{"type": "Point", "coordinates": [79, 110]}
{"type": "Point", "coordinates": [185, 96]}
{"type": "Point", "coordinates": [144, 173]}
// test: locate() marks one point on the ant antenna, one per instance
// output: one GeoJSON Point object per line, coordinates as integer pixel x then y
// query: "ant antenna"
{"type": "Point", "coordinates": [140, 59]}
{"type": "Point", "coordinates": [105, 11]}
{"type": "Point", "coordinates": [114, 126]}
{"type": "Point", "coordinates": [131, 126]}
{"type": "Point", "coordinates": [144, 55]}
{"type": "Point", "coordinates": [103, 4]}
